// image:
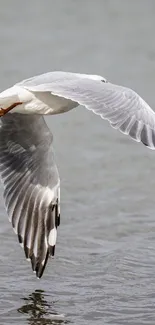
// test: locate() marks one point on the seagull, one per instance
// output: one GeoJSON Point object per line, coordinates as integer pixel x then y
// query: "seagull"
{"type": "Point", "coordinates": [27, 168]}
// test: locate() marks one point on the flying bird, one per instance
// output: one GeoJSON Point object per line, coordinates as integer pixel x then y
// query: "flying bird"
{"type": "Point", "coordinates": [27, 168]}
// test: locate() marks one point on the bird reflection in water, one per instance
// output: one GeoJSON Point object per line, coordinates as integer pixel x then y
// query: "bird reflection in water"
{"type": "Point", "coordinates": [39, 312]}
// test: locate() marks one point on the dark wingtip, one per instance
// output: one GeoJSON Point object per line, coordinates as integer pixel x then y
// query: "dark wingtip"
{"type": "Point", "coordinates": [26, 250]}
{"type": "Point", "coordinates": [20, 239]}
{"type": "Point", "coordinates": [52, 250]}
{"type": "Point", "coordinates": [41, 267]}
{"type": "Point", "coordinates": [33, 262]}
{"type": "Point", "coordinates": [57, 220]}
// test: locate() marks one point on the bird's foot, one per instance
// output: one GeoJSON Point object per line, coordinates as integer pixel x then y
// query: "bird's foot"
{"type": "Point", "coordinates": [3, 111]}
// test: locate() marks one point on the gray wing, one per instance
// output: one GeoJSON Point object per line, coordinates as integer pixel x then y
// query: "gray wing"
{"type": "Point", "coordinates": [57, 76]}
{"type": "Point", "coordinates": [122, 107]}
{"type": "Point", "coordinates": [31, 185]}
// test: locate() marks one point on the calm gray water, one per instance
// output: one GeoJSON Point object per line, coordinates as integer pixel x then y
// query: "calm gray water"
{"type": "Point", "coordinates": [104, 270]}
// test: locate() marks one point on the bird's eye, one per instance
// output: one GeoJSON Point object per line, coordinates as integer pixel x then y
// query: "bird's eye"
{"type": "Point", "coordinates": [104, 80]}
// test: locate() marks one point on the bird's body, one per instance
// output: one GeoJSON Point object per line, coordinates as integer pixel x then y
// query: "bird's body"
{"type": "Point", "coordinates": [30, 104]}
{"type": "Point", "coordinates": [27, 168]}
{"type": "Point", "coordinates": [41, 103]}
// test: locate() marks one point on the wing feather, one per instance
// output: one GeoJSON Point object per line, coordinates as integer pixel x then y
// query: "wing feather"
{"type": "Point", "coordinates": [121, 106]}
{"type": "Point", "coordinates": [31, 183]}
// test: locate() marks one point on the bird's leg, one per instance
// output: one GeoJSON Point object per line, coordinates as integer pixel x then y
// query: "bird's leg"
{"type": "Point", "coordinates": [3, 111]}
